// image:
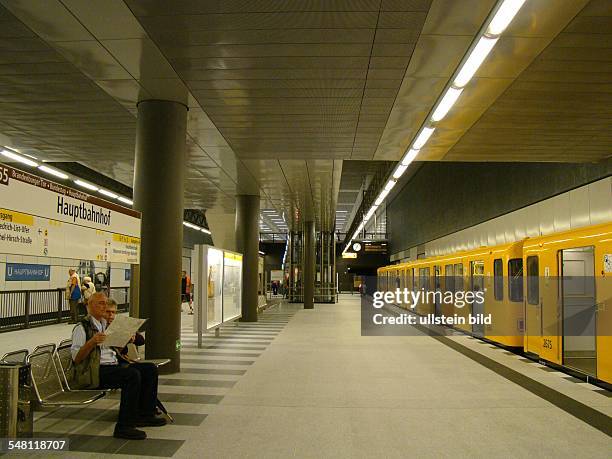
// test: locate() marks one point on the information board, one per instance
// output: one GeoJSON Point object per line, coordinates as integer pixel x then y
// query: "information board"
{"type": "Point", "coordinates": [42, 218]}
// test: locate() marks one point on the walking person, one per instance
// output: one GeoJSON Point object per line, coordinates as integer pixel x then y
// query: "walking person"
{"type": "Point", "coordinates": [73, 294]}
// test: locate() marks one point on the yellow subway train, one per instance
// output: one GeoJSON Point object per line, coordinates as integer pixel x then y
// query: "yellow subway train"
{"type": "Point", "coordinates": [550, 296]}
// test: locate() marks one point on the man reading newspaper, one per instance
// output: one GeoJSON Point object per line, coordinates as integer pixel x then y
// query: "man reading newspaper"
{"type": "Point", "coordinates": [96, 365]}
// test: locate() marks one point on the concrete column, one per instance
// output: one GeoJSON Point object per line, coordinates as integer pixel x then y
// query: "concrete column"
{"type": "Point", "coordinates": [309, 264]}
{"type": "Point", "coordinates": [159, 178]}
{"type": "Point", "coordinates": [247, 243]}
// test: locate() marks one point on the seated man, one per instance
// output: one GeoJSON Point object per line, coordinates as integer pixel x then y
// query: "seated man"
{"type": "Point", "coordinates": [97, 366]}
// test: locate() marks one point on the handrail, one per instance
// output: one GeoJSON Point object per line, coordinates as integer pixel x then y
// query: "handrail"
{"type": "Point", "coordinates": [27, 308]}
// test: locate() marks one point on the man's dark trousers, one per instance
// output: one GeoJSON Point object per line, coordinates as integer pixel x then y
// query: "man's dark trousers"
{"type": "Point", "coordinates": [138, 384]}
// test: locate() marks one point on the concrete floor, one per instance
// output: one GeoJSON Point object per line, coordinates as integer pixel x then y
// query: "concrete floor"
{"type": "Point", "coordinates": [320, 389]}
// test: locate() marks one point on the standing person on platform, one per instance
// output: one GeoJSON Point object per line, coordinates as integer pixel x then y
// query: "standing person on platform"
{"type": "Point", "coordinates": [186, 287]}
{"type": "Point", "coordinates": [73, 294]}
{"type": "Point", "coordinates": [88, 288]}
{"type": "Point", "coordinates": [98, 366]}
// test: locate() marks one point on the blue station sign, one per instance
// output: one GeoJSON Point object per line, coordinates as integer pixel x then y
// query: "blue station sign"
{"type": "Point", "coordinates": [27, 272]}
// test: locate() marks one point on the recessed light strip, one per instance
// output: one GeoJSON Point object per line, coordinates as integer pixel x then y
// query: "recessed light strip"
{"type": "Point", "coordinates": [14, 156]}
{"type": "Point", "coordinates": [505, 11]}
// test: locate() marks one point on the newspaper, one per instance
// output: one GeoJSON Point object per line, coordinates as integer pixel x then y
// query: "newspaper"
{"type": "Point", "coordinates": [121, 330]}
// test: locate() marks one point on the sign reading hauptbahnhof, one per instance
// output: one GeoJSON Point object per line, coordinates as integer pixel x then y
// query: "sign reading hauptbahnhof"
{"type": "Point", "coordinates": [43, 218]}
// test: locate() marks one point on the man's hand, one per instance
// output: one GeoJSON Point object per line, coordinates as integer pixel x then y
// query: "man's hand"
{"type": "Point", "coordinates": [132, 339]}
{"type": "Point", "coordinates": [98, 338]}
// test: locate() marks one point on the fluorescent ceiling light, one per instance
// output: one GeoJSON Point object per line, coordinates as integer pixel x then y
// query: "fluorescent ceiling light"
{"type": "Point", "coordinates": [19, 158]}
{"type": "Point", "coordinates": [389, 186]}
{"type": "Point", "coordinates": [341, 211]}
{"type": "Point", "coordinates": [110, 194]}
{"type": "Point", "coordinates": [204, 230]}
{"type": "Point", "coordinates": [399, 171]}
{"type": "Point", "coordinates": [87, 185]}
{"type": "Point", "coordinates": [409, 157]}
{"type": "Point", "coordinates": [476, 58]}
{"type": "Point", "coordinates": [54, 172]}
{"type": "Point", "coordinates": [504, 16]}
{"type": "Point", "coordinates": [449, 99]}
{"type": "Point", "coordinates": [261, 253]}
{"type": "Point", "coordinates": [371, 212]}
{"type": "Point", "coordinates": [422, 138]}
{"type": "Point", "coordinates": [125, 200]}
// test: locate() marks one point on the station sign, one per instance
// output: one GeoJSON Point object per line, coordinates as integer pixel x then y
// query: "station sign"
{"type": "Point", "coordinates": [27, 272]}
{"type": "Point", "coordinates": [39, 217]}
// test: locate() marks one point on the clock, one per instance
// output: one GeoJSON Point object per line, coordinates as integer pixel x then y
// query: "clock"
{"type": "Point", "coordinates": [356, 246]}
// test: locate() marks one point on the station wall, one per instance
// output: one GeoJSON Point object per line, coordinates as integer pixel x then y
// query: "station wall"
{"type": "Point", "coordinates": [446, 208]}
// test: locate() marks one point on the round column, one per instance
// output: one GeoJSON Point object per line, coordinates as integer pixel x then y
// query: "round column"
{"type": "Point", "coordinates": [247, 243]}
{"type": "Point", "coordinates": [309, 265]}
{"type": "Point", "coordinates": [159, 179]}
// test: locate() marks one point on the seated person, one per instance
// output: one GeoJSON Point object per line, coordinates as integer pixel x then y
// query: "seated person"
{"type": "Point", "coordinates": [98, 366]}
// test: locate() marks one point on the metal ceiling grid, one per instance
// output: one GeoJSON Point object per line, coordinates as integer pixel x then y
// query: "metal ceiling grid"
{"type": "Point", "coordinates": [491, 98]}
{"type": "Point", "coordinates": [558, 109]}
{"type": "Point", "coordinates": [290, 79]}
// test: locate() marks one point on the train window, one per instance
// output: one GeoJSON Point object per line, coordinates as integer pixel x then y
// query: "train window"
{"type": "Point", "coordinates": [533, 281]}
{"type": "Point", "coordinates": [458, 277]}
{"type": "Point", "coordinates": [515, 279]}
{"type": "Point", "coordinates": [424, 278]}
{"type": "Point", "coordinates": [498, 279]}
{"type": "Point", "coordinates": [449, 279]}
{"type": "Point", "coordinates": [477, 275]}
{"type": "Point", "coordinates": [415, 287]}
{"type": "Point", "coordinates": [437, 280]}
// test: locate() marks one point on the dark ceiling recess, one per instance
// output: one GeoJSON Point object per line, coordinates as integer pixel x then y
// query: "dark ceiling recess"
{"type": "Point", "coordinates": [90, 175]}
{"type": "Point", "coordinates": [195, 216]}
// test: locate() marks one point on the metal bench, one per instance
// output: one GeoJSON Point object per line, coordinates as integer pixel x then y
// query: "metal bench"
{"type": "Point", "coordinates": [19, 356]}
{"type": "Point", "coordinates": [44, 347]}
{"type": "Point", "coordinates": [47, 383]}
{"type": "Point", "coordinates": [63, 356]}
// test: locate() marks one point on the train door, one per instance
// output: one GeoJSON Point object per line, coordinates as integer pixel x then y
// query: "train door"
{"type": "Point", "coordinates": [437, 291]}
{"type": "Point", "coordinates": [476, 285]}
{"type": "Point", "coordinates": [579, 311]}
{"type": "Point", "coordinates": [533, 309]}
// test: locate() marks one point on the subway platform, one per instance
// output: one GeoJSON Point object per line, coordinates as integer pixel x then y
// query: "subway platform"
{"type": "Point", "coordinates": [305, 383]}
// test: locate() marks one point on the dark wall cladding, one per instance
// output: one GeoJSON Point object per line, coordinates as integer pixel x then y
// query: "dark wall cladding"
{"type": "Point", "coordinates": [445, 197]}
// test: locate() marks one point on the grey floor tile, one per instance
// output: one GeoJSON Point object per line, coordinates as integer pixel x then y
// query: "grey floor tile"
{"type": "Point", "coordinates": [219, 353]}
{"type": "Point", "coordinates": [213, 371]}
{"type": "Point", "coordinates": [196, 382]}
{"type": "Point", "coordinates": [217, 362]}
{"type": "Point", "coordinates": [191, 398]}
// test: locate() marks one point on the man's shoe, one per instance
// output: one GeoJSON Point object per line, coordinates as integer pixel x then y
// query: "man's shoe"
{"type": "Point", "coordinates": [150, 421]}
{"type": "Point", "coordinates": [129, 433]}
